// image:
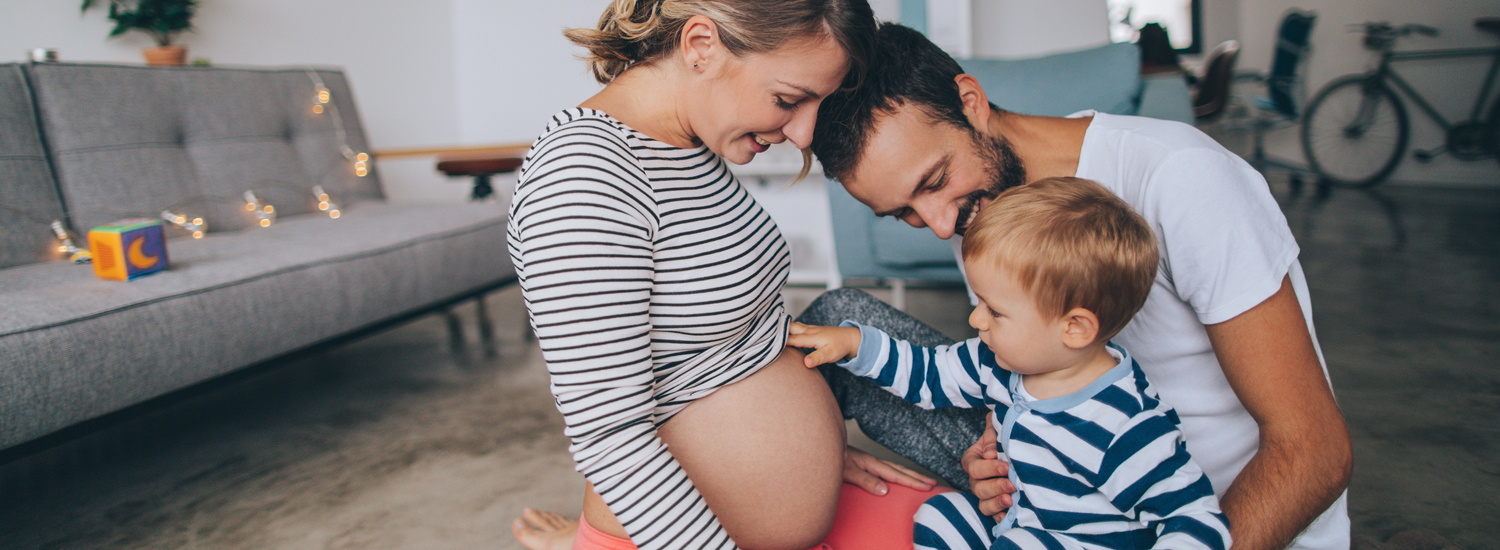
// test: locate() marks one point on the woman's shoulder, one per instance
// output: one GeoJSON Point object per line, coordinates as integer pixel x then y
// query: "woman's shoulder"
{"type": "Point", "coordinates": [579, 126]}
{"type": "Point", "coordinates": [585, 157]}
{"type": "Point", "coordinates": [583, 139]}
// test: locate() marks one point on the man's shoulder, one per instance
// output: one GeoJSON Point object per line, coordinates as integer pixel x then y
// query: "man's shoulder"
{"type": "Point", "coordinates": [1140, 158]}
{"type": "Point", "coordinates": [1150, 134]}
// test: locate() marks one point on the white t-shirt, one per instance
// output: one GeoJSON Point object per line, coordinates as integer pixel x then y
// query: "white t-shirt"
{"type": "Point", "coordinates": [1225, 247]}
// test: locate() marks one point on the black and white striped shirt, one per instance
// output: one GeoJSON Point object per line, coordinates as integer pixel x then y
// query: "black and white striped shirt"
{"type": "Point", "coordinates": [652, 278]}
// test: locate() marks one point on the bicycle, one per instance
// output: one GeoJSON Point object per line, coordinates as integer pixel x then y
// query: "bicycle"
{"type": "Point", "coordinates": [1355, 130]}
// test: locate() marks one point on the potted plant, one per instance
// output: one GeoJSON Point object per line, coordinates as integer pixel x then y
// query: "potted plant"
{"type": "Point", "coordinates": [162, 19]}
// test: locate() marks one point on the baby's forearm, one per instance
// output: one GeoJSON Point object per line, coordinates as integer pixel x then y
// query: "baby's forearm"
{"type": "Point", "coordinates": [944, 376]}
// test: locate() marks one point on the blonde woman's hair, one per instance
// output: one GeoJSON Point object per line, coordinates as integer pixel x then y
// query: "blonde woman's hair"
{"type": "Point", "coordinates": [632, 32]}
{"type": "Point", "coordinates": [1069, 243]}
{"type": "Point", "coordinates": [641, 31]}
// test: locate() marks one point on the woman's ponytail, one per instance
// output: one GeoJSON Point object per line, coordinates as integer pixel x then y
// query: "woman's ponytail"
{"type": "Point", "coordinates": [625, 30]}
{"type": "Point", "coordinates": [634, 32]}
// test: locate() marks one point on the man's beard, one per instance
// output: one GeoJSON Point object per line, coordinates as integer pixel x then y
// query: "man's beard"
{"type": "Point", "coordinates": [1000, 160]}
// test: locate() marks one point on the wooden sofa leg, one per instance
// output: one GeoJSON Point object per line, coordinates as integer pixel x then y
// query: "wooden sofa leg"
{"type": "Point", "coordinates": [455, 329]}
{"type": "Point", "coordinates": [486, 327]}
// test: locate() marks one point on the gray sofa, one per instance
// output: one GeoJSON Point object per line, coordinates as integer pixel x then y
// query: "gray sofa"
{"type": "Point", "coordinates": [89, 144]}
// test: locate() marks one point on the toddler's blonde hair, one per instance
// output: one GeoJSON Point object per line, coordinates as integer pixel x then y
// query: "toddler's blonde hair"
{"type": "Point", "coordinates": [1069, 243]}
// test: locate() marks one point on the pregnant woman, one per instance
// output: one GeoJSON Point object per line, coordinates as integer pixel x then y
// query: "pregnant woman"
{"type": "Point", "coordinates": [653, 280]}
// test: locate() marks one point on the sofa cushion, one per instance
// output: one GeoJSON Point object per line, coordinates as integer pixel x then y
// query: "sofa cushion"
{"type": "Point", "coordinates": [131, 141]}
{"type": "Point", "coordinates": [1106, 78]}
{"type": "Point", "coordinates": [28, 197]}
{"type": "Point", "coordinates": [77, 347]}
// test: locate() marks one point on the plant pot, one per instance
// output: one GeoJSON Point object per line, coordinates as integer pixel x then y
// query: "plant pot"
{"type": "Point", "coordinates": [166, 56]}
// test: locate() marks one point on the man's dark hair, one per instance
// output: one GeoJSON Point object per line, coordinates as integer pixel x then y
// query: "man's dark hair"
{"type": "Point", "coordinates": [907, 68]}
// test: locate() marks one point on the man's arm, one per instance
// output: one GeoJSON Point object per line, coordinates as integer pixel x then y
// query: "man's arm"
{"type": "Point", "coordinates": [1305, 456]}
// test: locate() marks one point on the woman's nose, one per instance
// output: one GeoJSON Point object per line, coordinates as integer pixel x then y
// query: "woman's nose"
{"type": "Point", "coordinates": [799, 130]}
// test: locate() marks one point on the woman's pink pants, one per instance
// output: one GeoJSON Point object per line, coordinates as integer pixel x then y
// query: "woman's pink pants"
{"type": "Point", "coordinates": [864, 522]}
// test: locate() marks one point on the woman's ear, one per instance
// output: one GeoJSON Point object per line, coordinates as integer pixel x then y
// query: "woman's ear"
{"type": "Point", "coordinates": [976, 103]}
{"type": "Point", "coordinates": [700, 42]}
{"type": "Point", "coordinates": [1080, 328]}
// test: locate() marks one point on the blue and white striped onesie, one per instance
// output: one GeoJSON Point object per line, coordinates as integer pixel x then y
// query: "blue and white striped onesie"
{"type": "Point", "coordinates": [1103, 467]}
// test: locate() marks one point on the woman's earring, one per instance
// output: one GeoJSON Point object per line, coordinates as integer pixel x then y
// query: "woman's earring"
{"type": "Point", "coordinates": [695, 65]}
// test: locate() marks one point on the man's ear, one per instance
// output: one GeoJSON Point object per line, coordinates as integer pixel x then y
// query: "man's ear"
{"type": "Point", "coordinates": [699, 43]}
{"type": "Point", "coordinates": [1080, 328]}
{"type": "Point", "coordinates": [976, 103]}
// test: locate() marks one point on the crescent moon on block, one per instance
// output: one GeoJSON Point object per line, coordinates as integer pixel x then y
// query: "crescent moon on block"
{"type": "Point", "coordinates": [138, 258]}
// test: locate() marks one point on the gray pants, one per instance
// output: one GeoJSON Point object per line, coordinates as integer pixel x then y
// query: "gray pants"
{"type": "Point", "coordinates": [935, 439]}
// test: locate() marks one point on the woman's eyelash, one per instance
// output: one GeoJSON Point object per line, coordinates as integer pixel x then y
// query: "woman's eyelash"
{"type": "Point", "coordinates": [784, 105]}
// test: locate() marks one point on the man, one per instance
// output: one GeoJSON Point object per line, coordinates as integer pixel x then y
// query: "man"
{"type": "Point", "coordinates": [1227, 328]}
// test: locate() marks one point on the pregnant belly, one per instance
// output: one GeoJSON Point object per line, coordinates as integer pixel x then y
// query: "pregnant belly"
{"type": "Point", "coordinates": [766, 453]}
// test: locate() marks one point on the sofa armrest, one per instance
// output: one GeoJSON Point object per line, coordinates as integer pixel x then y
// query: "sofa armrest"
{"type": "Point", "coordinates": [1166, 96]}
{"type": "Point", "coordinates": [1106, 79]}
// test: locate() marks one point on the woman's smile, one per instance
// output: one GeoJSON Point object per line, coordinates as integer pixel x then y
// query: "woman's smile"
{"type": "Point", "coordinates": [758, 144]}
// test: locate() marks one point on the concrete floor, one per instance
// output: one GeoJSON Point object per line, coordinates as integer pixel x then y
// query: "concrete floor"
{"type": "Point", "coordinates": [406, 440]}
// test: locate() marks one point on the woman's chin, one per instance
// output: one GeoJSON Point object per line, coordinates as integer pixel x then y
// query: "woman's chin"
{"type": "Point", "coordinates": [739, 157]}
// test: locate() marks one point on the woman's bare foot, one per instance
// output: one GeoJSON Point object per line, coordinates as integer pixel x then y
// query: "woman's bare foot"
{"type": "Point", "coordinates": [538, 530]}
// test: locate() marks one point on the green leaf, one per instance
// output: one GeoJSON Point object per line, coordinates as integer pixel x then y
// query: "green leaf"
{"type": "Point", "coordinates": [159, 18]}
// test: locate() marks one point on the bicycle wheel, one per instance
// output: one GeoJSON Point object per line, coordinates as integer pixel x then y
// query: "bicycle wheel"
{"type": "Point", "coordinates": [1355, 131]}
{"type": "Point", "coordinates": [1494, 131]}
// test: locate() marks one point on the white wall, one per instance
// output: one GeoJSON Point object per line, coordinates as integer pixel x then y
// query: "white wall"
{"type": "Point", "coordinates": [1026, 28]}
{"type": "Point", "coordinates": [1220, 21]}
{"type": "Point", "coordinates": [515, 68]}
{"type": "Point", "coordinates": [1450, 85]}
{"type": "Point", "coordinates": [1023, 28]}
{"type": "Point", "coordinates": [398, 57]}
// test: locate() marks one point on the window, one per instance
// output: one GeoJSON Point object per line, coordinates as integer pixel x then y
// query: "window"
{"type": "Point", "coordinates": [1181, 18]}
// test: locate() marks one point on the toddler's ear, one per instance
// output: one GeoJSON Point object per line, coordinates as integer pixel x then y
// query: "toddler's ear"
{"type": "Point", "coordinates": [1080, 328]}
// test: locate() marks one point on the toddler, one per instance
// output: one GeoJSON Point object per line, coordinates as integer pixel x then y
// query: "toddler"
{"type": "Point", "coordinates": [1059, 266]}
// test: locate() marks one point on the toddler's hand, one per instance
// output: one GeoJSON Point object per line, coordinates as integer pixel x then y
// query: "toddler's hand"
{"type": "Point", "coordinates": [830, 344]}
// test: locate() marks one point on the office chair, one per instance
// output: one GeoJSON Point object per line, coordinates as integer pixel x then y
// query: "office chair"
{"type": "Point", "coordinates": [1285, 87]}
{"type": "Point", "coordinates": [1215, 86]}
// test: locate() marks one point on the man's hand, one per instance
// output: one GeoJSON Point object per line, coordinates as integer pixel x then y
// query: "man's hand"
{"type": "Point", "coordinates": [987, 473]}
{"type": "Point", "coordinates": [866, 472]}
{"type": "Point", "coordinates": [830, 344]}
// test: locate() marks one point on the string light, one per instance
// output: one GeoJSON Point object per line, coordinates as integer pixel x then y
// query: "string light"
{"type": "Point", "coordinates": [321, 97]}
{"type": "Point", "coordinates": [263, 212]}
{"type": "Point", "coordinates": [325, 203]}
{"type": "Point", "coordinates": [66, 246]}
{"type": "Point", "coordinates": [197, 227]}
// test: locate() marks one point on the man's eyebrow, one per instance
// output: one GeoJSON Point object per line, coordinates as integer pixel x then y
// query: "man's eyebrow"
{"type": "Point", "coordinates": [921, 182]}
{"type": "Point", "coordinates": [804, 89]}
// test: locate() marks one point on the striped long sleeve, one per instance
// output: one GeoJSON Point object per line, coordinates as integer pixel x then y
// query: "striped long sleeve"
{"type": "Point", "coordinates": [957, 375]}
{"type": "Point", "coordinates": [1105, 466]}
{"type": "Point", "coordinates": [651, 279]}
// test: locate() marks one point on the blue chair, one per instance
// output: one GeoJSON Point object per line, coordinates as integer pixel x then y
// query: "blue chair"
{"type": "Point", "coordinates": [1285, 92]}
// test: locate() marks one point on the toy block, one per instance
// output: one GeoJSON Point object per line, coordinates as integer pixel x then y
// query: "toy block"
{"type": "Point", "coordinates": [127, 249]}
